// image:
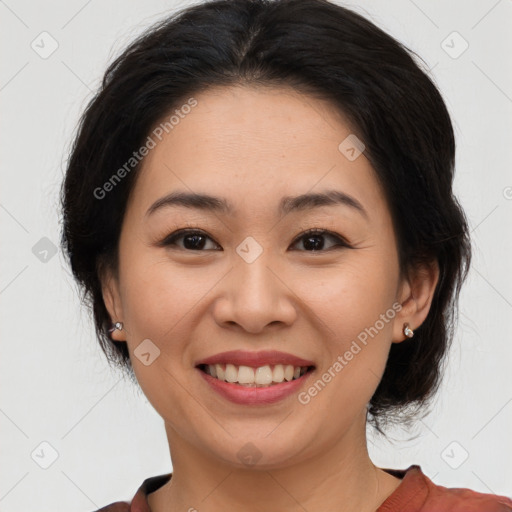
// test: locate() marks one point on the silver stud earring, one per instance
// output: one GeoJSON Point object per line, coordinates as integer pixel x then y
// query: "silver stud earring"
{"type": "Point", "coordinates": [408, 331]}
{"type": "Point", "coordinates": [118, 326]}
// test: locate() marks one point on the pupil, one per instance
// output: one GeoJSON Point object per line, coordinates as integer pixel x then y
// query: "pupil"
{"type": "Point", "coordinates": [309, 243]}
{"type": "Point", "coordinates": [194, 244]}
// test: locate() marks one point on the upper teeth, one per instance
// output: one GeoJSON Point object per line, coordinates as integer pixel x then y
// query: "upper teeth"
{"type": "Point", "coordinates": [261, 376]}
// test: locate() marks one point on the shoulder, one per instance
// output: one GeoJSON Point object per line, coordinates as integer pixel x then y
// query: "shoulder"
{"type": "Point", "coordinates": [417, 493]}
{"type": "Point", "coordinates": [454, 499]}
{"type": "Point", "coordinates": [464, 500]}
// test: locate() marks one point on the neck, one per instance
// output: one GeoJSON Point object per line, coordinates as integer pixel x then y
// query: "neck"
{"type": "Point", "coordinates": [341, 477]}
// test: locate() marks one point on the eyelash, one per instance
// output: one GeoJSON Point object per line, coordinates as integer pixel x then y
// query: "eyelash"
{"type": "Point", "coordinates": [341, 242]}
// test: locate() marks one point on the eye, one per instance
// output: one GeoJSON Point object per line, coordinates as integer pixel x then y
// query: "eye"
{"type": "Point", "coordinates": [197, 240]}
{"type": "Point", "coordinates": [193, 239]}
{"type": "Point", "coordinates": [313, 240]}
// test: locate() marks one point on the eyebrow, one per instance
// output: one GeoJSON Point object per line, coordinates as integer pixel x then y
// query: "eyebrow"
{"type": "Point", "coordinates": [287, 204]}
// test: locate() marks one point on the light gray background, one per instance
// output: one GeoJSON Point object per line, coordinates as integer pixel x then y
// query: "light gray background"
{"type": "Point", "coordinates": [56, 386]}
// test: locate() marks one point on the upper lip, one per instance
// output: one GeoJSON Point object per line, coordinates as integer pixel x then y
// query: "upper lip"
{"type": "Point", "coordinates": [255, 359]}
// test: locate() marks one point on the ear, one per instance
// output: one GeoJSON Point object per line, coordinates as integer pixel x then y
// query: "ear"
{"type": "Point", "coordinates": [415, 295]}
{"type": "Point", "coordinates": [112, 299]}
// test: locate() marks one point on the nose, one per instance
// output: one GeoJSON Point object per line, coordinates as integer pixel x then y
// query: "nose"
{"type": "Point", "coordinates": [255, 296]}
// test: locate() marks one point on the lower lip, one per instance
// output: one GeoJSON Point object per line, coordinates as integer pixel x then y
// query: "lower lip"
{"type": "Point", "coordinates": [255, 396]}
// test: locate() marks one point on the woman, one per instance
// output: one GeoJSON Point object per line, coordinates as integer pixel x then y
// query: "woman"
{"type": "Point", "coordinates": [258, 206]}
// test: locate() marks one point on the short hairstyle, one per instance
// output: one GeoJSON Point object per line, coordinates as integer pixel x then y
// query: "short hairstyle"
{"type": "Point", "coordinates": [318, 48]}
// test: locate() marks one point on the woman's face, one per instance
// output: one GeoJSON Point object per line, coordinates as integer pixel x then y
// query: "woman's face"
{"type": "Point", "coordinates": [246, 279]}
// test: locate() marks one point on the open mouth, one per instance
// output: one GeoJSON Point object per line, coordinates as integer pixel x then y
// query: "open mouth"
{"type": "Point", "coordinates": [262, 376]}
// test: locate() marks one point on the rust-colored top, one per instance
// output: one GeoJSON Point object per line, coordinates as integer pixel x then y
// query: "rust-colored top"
{"type": "Point", "coordinates": [416, 493]}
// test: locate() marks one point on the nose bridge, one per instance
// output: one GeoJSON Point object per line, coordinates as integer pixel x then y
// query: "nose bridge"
{"type": "Point", "coordinates": [254, 281]}
{"type": "Point", "coordinates": [256, 296]}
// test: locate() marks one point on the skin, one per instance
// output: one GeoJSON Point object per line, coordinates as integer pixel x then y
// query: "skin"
{"type": "Point", "coordinates": [253, 146]}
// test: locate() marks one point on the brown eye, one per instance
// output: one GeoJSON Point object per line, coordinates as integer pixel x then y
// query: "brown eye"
{"type": "Point", "coordinates": [193, 240]}
{"type": "Point", "coordinates": [314, 240]}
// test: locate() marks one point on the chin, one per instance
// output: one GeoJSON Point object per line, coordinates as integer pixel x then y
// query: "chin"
{"type": "Point", "coordinates": [259, 453]}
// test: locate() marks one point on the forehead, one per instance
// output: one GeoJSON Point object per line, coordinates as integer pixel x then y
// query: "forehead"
{"type": "Point", "coordinates": [254, 146]}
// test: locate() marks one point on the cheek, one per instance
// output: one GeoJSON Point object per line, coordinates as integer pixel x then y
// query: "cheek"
{"type": "Point", "coordinates": [158, 302]}
{"type": "Point", "coordinates": [163, 302]}
{"type": "Point", "coordinates": [350, 297]}
{"type": "Point", "coordinates": [354, 305]}
{"type": "Point", "coordinates": [158, 295]}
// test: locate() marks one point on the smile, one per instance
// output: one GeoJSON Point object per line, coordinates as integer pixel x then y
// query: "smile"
{"type": "Point", "coordinates": [247, 376]}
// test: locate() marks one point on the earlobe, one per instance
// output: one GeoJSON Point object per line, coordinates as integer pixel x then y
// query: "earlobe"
{"type": "Point", "coordinates": [112, 300]}
{"type": "Point", "coordinates": [417, 294]}
{"type": "Point", "coordinates": [118, 326]}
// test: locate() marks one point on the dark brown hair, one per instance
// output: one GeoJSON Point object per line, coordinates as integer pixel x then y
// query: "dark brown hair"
{"type": "Point", "coordinates": [319, 48]}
